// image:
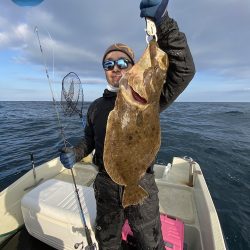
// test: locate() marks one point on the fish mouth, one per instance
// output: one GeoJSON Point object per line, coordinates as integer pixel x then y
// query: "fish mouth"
{"type": "Point", "coordinates": [137, 97]}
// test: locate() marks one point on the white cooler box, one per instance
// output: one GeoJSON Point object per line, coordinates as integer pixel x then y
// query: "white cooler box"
{"type": "Point", "coordinates": [51, 214]}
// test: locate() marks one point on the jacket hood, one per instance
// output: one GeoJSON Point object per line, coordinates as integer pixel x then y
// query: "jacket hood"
{"type": "Point", "coordinates": [109, 94]}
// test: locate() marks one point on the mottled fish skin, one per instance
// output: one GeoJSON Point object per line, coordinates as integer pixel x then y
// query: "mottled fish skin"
{"type": "Point", "coordinates": [133, 135]}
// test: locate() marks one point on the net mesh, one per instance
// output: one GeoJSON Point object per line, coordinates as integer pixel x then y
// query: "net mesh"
{"type": "Point", "coordinates": [72, 95]}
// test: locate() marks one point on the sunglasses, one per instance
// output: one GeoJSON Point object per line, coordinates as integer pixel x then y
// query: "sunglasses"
{"type": "Point", "coordinates": [121, 63]}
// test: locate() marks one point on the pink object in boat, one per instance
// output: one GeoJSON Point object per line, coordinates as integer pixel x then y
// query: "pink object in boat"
{"type": "Point", "coordinates": [172, 231]}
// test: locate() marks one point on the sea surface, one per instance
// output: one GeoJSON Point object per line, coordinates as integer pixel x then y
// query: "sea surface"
{"type": "Point", "coordinates": [216, 135]}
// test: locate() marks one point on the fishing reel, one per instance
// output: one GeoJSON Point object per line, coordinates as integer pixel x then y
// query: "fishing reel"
{"type": "Point", "coordinates": [92, 247]}
{"type": "Point", "coordinates": [76, 246]}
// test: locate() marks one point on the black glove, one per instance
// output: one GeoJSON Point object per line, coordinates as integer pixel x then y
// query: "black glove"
{"type": "Point", "coordinates": [154, 9]}
{"type": "Point", "coordinates": [68, 157]}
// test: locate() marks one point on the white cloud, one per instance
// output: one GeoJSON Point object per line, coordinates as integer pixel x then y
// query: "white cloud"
{"type": "Point", "coordinates": [21, 31]}
{"type": "Point", "coordinates": [15, 36]}
{"type": "Point", "coordinates": [3, 39]}
{"type": "Point", "coordinates": [217, 32]}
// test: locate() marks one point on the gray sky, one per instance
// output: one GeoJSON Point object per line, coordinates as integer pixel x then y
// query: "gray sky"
{"type": "Point", "coordinates": [217, 33]}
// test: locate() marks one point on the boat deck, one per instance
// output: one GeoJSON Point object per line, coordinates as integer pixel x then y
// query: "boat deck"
{"type": "Point", "coordinates": [177, 200]}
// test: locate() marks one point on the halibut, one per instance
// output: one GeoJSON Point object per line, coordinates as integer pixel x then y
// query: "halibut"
{"type": "Point", "coordinates": [133, 135]}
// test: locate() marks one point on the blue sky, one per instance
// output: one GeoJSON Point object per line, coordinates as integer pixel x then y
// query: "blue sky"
{"type": "Point", "coordinates": [217, 33]}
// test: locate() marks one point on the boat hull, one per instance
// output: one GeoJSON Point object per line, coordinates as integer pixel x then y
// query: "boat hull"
{"type": "Point", "coordinates": [183, 194]}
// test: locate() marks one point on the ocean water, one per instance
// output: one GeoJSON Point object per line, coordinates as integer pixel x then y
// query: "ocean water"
{"type": "Point", "coordinates": [216, 135]}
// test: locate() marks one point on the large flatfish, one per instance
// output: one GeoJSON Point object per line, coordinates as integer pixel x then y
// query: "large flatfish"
{"type": "Point", "coordinates": [133, 134]}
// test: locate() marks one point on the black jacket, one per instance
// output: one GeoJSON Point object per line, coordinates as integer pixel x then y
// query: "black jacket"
{"type": "Point", "coordinates": [180, 72]}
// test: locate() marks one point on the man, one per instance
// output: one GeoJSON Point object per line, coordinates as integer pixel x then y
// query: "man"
{"type": "Point", "coordinates": [144, 219]}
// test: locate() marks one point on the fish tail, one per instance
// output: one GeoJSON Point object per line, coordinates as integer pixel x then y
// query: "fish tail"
{"type": "Point", "coordinates": [133, 195]}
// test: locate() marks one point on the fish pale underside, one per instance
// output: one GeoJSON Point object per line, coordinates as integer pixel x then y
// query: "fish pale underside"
{"type": "Point", "coordinates": [133, 135]}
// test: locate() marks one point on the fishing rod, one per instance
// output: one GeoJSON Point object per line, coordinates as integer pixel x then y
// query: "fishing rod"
{"type": "Point", "coordinates": [34, 173]}
{"type": "Point", "coordinates": [50, 86]}
{"type": "Point", "coordinates": [91, 245]}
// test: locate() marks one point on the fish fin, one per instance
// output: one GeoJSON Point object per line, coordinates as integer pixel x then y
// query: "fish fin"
{"type": "Point", "coordinates": [133, 195]}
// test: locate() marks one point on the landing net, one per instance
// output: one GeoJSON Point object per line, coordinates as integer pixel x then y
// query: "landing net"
{"type": "Point", "coordinates": [72, 95]}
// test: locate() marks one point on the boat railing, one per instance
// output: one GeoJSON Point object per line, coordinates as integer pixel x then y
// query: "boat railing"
{"type": "Point", "coordinates": [192, 171]}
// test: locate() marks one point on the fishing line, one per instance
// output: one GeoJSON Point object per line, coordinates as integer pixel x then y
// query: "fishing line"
{"type": "Point", "coordinates": [90, 246]}
{"type": "Point", "coordinates": [50, 86]}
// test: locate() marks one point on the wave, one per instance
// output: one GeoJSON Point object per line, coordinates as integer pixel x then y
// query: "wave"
{"type": "Point", "coordinates": [234, 112]}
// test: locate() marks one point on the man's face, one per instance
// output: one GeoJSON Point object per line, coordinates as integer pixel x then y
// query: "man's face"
{"type": "Point", "coordinates": [114, 75]}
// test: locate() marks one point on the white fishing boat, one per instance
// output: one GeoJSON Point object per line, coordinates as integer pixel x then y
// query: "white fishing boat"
{"type": "Point", "coordinates": [44, 200]}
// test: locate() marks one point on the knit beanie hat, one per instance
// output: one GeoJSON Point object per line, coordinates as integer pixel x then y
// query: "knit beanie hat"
{"type": "Point", "coordinates": [120, 47]}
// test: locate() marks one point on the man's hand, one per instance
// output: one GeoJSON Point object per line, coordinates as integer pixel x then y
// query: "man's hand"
{"type": "Point", "coordinates": [68, 157]}
{"type": "Point", "coordinates": [154, 9]}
